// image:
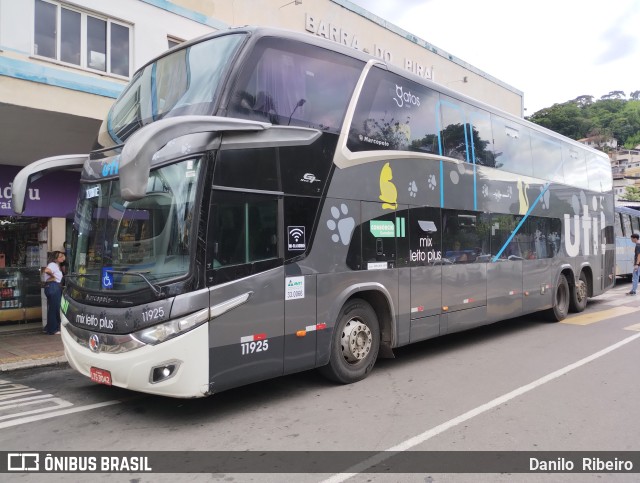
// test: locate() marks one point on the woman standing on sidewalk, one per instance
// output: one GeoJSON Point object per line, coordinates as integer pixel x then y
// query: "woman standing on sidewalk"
{"type": "Point", "coordinates": [53, 291]}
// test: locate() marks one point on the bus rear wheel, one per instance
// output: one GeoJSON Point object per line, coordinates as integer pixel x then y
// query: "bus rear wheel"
{"type": "Point", "coordinates": [355, 344]}
{"type": "Point", "coordinates": [561, 299]}
{"type": "Point", "coordinates": [579, 294]}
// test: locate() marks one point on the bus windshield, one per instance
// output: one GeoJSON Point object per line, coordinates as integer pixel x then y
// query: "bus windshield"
{"type": "Point", "coordinates": [184, 82]}
{"type": "Point", "coordinates": [127, 246]}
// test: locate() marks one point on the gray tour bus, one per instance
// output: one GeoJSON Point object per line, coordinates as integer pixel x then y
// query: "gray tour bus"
{"type": "Point", "coordinates": [261, 202]}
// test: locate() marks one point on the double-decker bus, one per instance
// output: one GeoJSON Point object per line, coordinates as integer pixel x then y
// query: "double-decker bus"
{"type": "Point", "coordinates": [627, 222]}
{"type": "Point", "coordinates": [262, 202]}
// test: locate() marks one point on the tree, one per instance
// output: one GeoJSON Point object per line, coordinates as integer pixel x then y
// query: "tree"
{"type": "Point", "coordinates": [583, 101]}
{"type": "Point", "coordinates": [635, 95]}
{"type": "Point", "coordinates": [614, 95]}
{"type": "Point", "coordinates": [632, 193]}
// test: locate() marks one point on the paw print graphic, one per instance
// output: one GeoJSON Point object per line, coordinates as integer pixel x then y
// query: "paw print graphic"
{"type": "Point", "coordinates": [432, 182]}
{"type": "Point", "coordinates": [485, 191]}
{"type": "Point", "coordinates": [342, 224]}
{"type": "Point", "coordinates": [186, 148]}
{"type": "Point", "coordinates": [413, 189]}
{"type": "Point", "coordinates": [544, 201]}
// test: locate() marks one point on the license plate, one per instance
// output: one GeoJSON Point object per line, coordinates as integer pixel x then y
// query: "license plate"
{"type": "Point", "coordinates": [100, 376]}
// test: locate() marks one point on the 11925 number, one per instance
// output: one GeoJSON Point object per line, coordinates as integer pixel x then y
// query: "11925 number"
{"type": "Point", "coordinates": [255, 346]}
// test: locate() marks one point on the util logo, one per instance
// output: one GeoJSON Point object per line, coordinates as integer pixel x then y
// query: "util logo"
{"type": "Point", "coordinates": [407, 98]}
{"type": "Point", "coordinates": [586, 234]}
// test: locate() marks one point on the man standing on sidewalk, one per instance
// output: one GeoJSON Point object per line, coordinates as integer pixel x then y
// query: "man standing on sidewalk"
{"type": "Point", "coordinates": [635, 238]}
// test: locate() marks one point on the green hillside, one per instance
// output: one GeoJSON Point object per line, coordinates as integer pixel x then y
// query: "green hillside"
{"type": "Point", "coordinates": [613, 115]}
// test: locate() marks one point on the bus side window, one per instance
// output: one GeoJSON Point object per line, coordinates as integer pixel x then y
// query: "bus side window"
{"type": "Point", "coordinates": [242, 234]}
{"type": "Point", "coordinates": [618, 224]}
{"type": "Point", "coordinates": [454, 135]}
{"type": "Point", "coordinates": [512, 146]}
{"type": "Point", "coordinates": [466, 236]}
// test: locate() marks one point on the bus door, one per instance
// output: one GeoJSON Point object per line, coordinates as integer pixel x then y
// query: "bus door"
{"type": "Point", "coordinates": [465, 255]}
{"type": "Point", "coordinates": [246, 275]}
{"type": "Point", "coordinates": [425, 258]}
{"type": "Point", "coordinates": [509, 246]}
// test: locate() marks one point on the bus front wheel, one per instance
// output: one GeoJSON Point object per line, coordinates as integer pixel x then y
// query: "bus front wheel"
{"type": "Point", "coordinates": [355, 344]}
{"type": "Point", "coordinates": [561, 299]}
{"type": "Point", "coordinates": [579, 294]}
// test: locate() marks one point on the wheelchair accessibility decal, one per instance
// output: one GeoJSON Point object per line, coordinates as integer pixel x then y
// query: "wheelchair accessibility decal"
{"type": "Point", "coordinates": [107, 278]}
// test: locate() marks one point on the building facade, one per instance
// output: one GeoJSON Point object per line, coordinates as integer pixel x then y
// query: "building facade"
{"type": "Point", "coordinates": [63, 63]}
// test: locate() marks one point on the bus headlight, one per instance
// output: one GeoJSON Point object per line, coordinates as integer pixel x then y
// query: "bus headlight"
{"type": "Point", "coordinates": [168, 330]}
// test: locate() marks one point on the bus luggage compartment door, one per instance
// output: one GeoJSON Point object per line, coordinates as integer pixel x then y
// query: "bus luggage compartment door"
{"type": "Point", "coordinates": [504, 289]}
{"type": "Point", "coordinates": [426, 302]}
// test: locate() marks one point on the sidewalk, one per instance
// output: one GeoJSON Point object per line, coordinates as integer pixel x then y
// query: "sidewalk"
{"type": "Point", "coordinates": [24, 345]}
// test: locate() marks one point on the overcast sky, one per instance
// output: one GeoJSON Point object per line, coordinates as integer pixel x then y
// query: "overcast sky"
{"type": "Point", "coordinates": [552, 50]}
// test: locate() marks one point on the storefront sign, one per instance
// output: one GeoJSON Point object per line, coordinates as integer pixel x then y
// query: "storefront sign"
{"type": "Point", "coordinates": [53, 195]}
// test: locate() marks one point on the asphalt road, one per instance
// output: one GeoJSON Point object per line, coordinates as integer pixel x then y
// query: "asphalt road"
{"type": "Point", "coordinates": [519, 385]}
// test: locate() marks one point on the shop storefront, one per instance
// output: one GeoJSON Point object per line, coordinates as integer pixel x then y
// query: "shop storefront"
{"type": "Point", "coordinates": [26, 240]}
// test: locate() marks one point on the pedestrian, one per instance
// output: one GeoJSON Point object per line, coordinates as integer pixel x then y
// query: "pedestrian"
{"type": "Point", "coordinates": [635, 238]}
{"type": "Point", "coordinates": [53, 291]}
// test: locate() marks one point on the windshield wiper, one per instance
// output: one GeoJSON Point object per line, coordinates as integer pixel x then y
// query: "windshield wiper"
{"type": "Point", "coordinates": [157, 291]}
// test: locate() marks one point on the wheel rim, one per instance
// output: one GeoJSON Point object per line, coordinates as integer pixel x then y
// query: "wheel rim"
{"type": "Point", "coordinates": [357, 341]}
{"type": "Point", "coordinates": [581, 290]}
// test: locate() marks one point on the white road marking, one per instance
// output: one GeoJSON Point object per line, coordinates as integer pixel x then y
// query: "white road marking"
{"type": "Point", "coordinates": [23, 401]}
{"type": "Point", "coordinates": [421, 438]}
{"type": "Point", "coordinates": [52, 404]}
{"type": "Point", "coordinates": [13, 394]}
{"type": "Point", "coordinates": [18, 396]}
{"type": "Point", "coordinates": [62, 412]}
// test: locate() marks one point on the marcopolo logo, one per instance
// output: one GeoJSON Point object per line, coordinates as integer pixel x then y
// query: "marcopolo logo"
{"type": "Point", "coordinates": [403, 98]}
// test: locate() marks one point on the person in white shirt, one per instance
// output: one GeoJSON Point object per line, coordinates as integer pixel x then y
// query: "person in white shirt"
{"type": "Point", "coordinates": [53, 291]}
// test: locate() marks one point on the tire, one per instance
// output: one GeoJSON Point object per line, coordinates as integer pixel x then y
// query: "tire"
{"type": "Point", "coordinates": [579, 294]}
{"type": "Point", "coordinates": [355, 344]}
{"type": "Point", "coordinates": [561, 299]}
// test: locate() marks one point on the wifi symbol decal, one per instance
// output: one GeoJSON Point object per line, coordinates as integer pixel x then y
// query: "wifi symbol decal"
{"type": "Point", "coordinates": [296, 238]}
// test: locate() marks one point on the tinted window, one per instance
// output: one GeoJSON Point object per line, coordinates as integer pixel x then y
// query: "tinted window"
{"type": "Point", "coordinates": [503, 244]}
{"type": "Point", "coordinates": [465, 236]}
{"type": "Point", "coordinates": [482, 147]}
{"type": "Point", "coordinates": [288, 83]}
{"type": "Point", "coordinates": [244, 229]}
{"type": "Point", "coordinates": [512, 146]}
{"type": "Point", "coordinates": [574, 166]}
{"type": "Point", "coordinates": [394, 113]}
{"type": "Point", "coordinates": [184, 82]}
{"type": "Point", "coordinates": [454, 136]}
{"type": "Point", "coordinates": [547, 157]}
{"type": "Point", "coordinates": [535, 238]}
{"type": "Point", "coordinates": [618, 225]}
{"type": "Point", "coordinates": [544, 234]}
{"type": "Point", "coordinates": [253, 169]}
{"type": "Point", "coordinates": [599, 173]}
{"type": "Point", "coordinates": [626, 224]}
